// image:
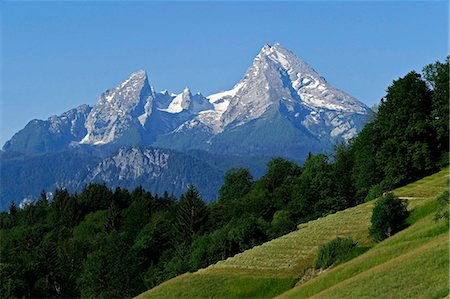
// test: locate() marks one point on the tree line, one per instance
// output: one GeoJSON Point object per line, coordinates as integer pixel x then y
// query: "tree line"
{"type": "Point", "coordinates": [103, 243]}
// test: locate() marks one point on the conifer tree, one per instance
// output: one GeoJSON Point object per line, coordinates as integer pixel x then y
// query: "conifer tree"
{"type": "Point", "coordinates": [191, 214]}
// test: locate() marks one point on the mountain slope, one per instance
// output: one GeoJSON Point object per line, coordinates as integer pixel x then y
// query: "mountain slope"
{"type": "Point", "coordinates": [281, 262]}
{"type": "Point", "coordinates": [278, 79]}
{"type": "Point", "coordinates": [56, 133]}
{"type": "Point", "coordinates": [281, 107]}
{"type": "Point", "coordinates": [25, 176]}
{"type": "Point", "coordinates": [120, 113]}
{"type": "Point", "coordinates": [277, 88]}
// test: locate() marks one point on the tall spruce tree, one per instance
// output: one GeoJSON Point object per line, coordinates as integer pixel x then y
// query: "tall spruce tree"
{"type": "Point", "coordinates": [191, 214]}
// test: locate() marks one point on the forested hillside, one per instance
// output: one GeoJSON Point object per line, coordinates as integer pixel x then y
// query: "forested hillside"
{"type": "Point", "coordinates": [370, 269]}
{"type": "Point", "coordinates": [106, 243]}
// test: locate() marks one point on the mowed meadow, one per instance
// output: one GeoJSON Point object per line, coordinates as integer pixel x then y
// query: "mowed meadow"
{"type": "Point", "coordinates": [394, 267]}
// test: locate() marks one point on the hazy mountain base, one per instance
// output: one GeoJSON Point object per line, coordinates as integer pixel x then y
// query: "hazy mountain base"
{"type": "Point", "coordinates": [25, 176]}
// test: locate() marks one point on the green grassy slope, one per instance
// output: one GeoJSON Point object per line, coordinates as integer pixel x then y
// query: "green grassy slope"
{"type": "Point", "coordinates": [274, 267]}
{"type": "Point", "coordinates": [277, 263]}
{"type": "Point", "coordinates": [411, 264]}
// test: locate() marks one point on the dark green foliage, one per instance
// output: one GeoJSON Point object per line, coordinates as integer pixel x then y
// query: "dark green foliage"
{"type": "Point", "coordinates": [278, 171]}
{"type": "Point", "coordinates": [112, 221]}
{"type": "Point", "coordinates": [388, 216]}
{"type": "Point", "coordinates": [313, 190]}
{"type": "Point", "coordinates": [443, 207]}
{"type": "Point", "coordinates": [237, 183]}
{"type": "Point", "coordinates": [281, 224]}
{"type": "Point", "coordinates": [333, 252]}
{"type": "Point", "coordinates": [404, 124]}
{"type": "Point", "coordinates": [192, 214]}
{"type": "Point", "coordinates": [246, 233]}
{"type": "Point", "coordinates": [408, 136]}
{"type": "Point", "coordinates": [342, 173]}
{"type": "Point", "coordinates": [437, 76]}
{"type": "Point", "coordinates": [55, 249]}
{"type": "Point", "coordinates": [110, 271]}
{"type": "Point", "coordinates": [8, 279]}
{"type": "Point", "coordinates": [153, 239]}
{"type": "Point", "coordinates": [212, 247]}
{"type": "Point", "coordinates": [376, 191]}
{"type": "Point", "coordinates": [366, 172]}
{"type": "Point", "coordinates": [95, 197]}
{"type": "Point", "coordinates": [258, 202]}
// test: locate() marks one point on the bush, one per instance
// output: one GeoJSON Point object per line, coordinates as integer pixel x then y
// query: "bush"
{"type": "Point", "coordinates": [443, 207]}
{"type": "Point", "coordinates": [377, 190]}
{"type": "Point", "coordinates": [333, 252]}
{"type": "Point", "coordinates": [388, 216]}
{"type": "Point", "coordinates": [374, 192]}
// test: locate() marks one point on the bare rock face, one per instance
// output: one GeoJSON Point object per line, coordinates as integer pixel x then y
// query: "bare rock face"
{"type": "Point", "coordinates": [277, 88]}
{"type": "Point", "coordinates": [185, 101]}
{"type": "Point", "coordinates": [55, 133]}
{"type": "Point", "coordinates": [130, 164]}
{"type": "Point", "coordinates": [281, 107]}
{"type": "Point", "coordinates": [121, 113]}
{"type": "Point", "coordinates": [23, 177]}
{"type": "Point", "coordinates": [279, 80]}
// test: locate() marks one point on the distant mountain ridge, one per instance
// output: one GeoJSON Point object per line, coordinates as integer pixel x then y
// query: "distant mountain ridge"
{"type": "Point", "coordinates": [281, 107]}
{"type": "Point", "coordinates": [56, 133]}
{"type": "Point", "coordinates": [24, 176]}
{"type": "Point", "coordinates": [278, 88]}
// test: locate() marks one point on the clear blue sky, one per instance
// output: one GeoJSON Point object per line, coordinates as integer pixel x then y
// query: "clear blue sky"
{"type": "Point", "coordinates": [58, 55]}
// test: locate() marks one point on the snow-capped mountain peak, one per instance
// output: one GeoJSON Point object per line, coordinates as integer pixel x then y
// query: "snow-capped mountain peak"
{"type": "Point", "coordinates": [312, 89]}
{"type": "Point", "coordinates": [185, 101]}
{"type": "Point", "coordinates": [127, 105]}
{"type": "Point", "coordinates": [278, 78]}
{"type": "Point", "coordinates": [180, 102]}
{"type": "Point", "coordinates": [278, 90]}
{"type": "Point", "coordinates": [286, 59]}
{"type": "Point", "coordinates": [135, 78]}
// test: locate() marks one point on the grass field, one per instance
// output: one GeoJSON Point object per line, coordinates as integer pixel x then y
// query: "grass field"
{"type": "Point", "coordinates": [393, 267]}
{"type": "Point", "coordinates": [412, 264]}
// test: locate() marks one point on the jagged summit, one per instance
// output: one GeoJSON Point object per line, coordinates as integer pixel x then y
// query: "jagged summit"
{"type": "Point", "coordinates": [278, 90]}
{"type": "Point", "coordinates": [312, 89]}
{"type": "Point", "coordinates": [119, 111]}
{"type": "Point", "coordinates": [280, 107]}
{"type": "Point", "coordinates": [187, 102]}
{"type": "Point", "coordinates": [286, 59]}
{"type": "Point", "coordinates": [279, 80]}
{"type": "Point", "coordinates": [140, 75]}
{"type": "Point", "coordinates": [180, 102]}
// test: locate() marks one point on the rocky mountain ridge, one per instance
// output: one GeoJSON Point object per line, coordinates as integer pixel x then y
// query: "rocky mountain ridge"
{"type": "Point", "coordinates": [163, 141]}
{"type": "Point", "coordinates": [25, 176]}
{"type": "Point", "coordinates": [277, 84]}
